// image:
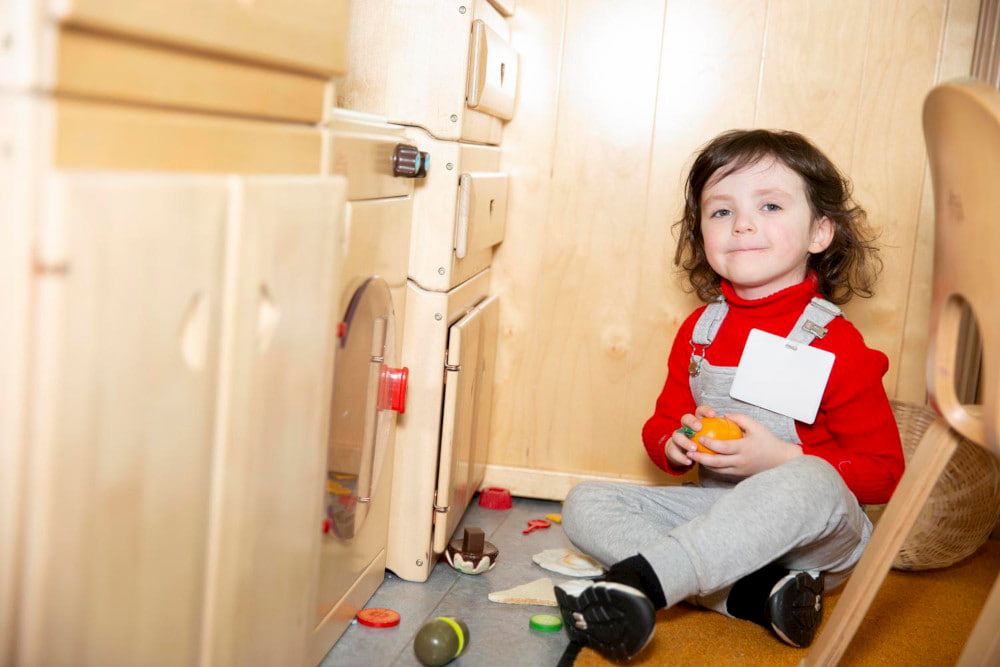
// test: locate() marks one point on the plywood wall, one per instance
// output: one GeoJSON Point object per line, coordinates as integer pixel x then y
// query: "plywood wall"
{"type": "Point", "coordinates": [614, 100]}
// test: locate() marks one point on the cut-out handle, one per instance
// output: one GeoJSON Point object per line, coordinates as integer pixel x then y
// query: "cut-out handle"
{"type": "Point", "coordinates": [943, 371]}
{"type": "Point", "coordinates": [194, 333]}
{"type": "Point", "coordinates": [268, 316]}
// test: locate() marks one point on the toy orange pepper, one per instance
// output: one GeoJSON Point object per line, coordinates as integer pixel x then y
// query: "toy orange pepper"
{"type": "Point", "coordinates": [717, 428]}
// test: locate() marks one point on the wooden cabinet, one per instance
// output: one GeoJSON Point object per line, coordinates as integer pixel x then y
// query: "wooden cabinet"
{"type": "Point", "coordinates": [128, 285]}
{"type": "Point", "coordinates": [459, 212]}
{"type": "Point", "coordinates": [167, 376]}
{"type": "Point", "coordinates": [106, 136]}
{"type": "Point", "coordinates": [180, 383]}
{"type": "Point", "coordinates": [446, 66]}
{"type": "Point", "coordinates": [274, 410]}
{"type": "Point", "coordinates": [442, 439]}
{"type": "Point", "coordinates": [368, 383]}
{"type": "Point", "coordinates": [79, 49]}
{"type": "Point", "coordinates": [303, 35]}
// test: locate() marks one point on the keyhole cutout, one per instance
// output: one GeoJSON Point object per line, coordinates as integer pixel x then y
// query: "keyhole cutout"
{"type": "Point", "coordinates": [503, 73]}
{"type": "Point", "coordinates": [194, 332]}
{"type": "Point", "coordinates": [268, 316]}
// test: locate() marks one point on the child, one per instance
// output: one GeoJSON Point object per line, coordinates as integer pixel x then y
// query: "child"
{"type": "Point", "coordinates": [772, 239]}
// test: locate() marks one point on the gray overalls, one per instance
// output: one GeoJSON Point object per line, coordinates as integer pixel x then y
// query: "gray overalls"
{"type": "Point", "coordinates": [701, 539]}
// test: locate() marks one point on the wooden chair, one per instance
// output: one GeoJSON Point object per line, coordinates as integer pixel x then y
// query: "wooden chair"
{"type": "Point", "coordinates": [962, 133]}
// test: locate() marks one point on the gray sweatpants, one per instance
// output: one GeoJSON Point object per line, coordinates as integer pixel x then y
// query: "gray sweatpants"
{"type": "Point", "coordinates": [701, 540]}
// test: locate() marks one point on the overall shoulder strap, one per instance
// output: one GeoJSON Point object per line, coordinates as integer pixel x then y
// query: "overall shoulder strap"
{"type": "Point", "coordinates": [708, 324]}
{"type": "Point", "coordinates": [813, 320]}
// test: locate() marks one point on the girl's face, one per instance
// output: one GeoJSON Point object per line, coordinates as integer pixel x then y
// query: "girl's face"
{"type": "Point", "coordinates": [758, 228]}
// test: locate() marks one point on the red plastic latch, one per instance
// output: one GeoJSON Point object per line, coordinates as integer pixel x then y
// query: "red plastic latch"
{"type": "Point", "coordinates": [392, 389]}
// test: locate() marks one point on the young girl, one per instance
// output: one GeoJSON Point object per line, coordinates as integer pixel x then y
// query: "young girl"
{"type": "Point", "coordinates": [772, 240]}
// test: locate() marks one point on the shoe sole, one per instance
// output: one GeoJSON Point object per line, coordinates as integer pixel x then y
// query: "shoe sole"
{"type": "Point", "coordinates": [795, 608]}
{"type": "Point", "coordinates": [615, 620]}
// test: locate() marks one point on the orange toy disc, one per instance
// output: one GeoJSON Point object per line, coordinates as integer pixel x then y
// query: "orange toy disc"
{"type": "Point", "coordinates": [378, 617]}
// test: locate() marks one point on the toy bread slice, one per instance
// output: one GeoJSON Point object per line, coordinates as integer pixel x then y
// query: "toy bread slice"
{"type": "Point", "coordinates": [538, 592]}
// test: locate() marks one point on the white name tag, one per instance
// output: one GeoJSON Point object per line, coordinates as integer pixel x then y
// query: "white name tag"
{"type": "Point", "coordinates": [782, 375]}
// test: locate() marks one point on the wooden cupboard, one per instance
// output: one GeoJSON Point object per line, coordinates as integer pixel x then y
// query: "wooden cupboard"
{"type": "Point", "coordinates": [127, 286]}
{"type": "Point", "coordinates": [442, 439]}
{"type": "Point", "coordinates": [169, 378]}
{"type": "Point", "coordinates": [444, 65]}
{"type": "Point", "coordinates": [153, 55]}
{"type": "Point", "coordinates": [370, 385]}
{"type": "Point", "coordinates": [459, 214]}
{"type": "Point", "coordinates": [304, 35]}
{"type": "Point", "coordinates": [273, 418]}
{"type": "Point", "coordinates": [180, 391]}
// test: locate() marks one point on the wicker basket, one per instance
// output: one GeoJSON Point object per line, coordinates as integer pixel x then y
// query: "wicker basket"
{"type": "Point", "coordinates": [963, 507]}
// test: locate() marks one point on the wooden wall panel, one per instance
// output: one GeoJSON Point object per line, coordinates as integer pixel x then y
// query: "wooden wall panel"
{"type": "Point", "coordinates": [591, 298]}
{"type": "Point", "coordinates": [811, 81]}
{"type": "Point", "coordinates": [529, 147]}
{"type": "Point", "coordinates": [890, 160]}
{"type": "Point", "coordinates": [956, 48]}
{"type": "Point", "coordinates": [575, 289]}
{"type": "Point", "coordinates": [692, 107]}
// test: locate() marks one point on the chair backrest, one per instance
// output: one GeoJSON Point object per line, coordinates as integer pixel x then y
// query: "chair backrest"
{"type": "Point", "coordinates": [962, 132]}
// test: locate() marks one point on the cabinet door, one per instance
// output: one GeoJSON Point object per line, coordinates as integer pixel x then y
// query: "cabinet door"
{"type": "Point", "coordinates": [278, 343]}
{"type": "Point", "coordinates": [307, 35]}
{"type": "Point", "coordinates": [127, 283]}
{"type": "Point", "coordinates": [460, 85]}
{"type": "Point", "coordinates": [465, 423]}
{"type": "Point", "coordinates": [358, 465]}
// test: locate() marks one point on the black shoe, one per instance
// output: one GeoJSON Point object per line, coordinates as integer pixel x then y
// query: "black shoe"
{"type": "Point", "coordinates": [615, 620]}
{"type": "Point", "coordinates": [795, 608]}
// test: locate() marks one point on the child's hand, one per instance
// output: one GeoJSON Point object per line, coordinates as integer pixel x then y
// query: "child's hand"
{"type": "Point", "coordinates": [678, 446]}
{"type": "Point", "coordinates": [758, 450]}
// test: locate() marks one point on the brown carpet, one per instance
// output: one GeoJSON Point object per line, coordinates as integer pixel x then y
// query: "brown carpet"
{"type": "Point", "coordinates": [918, 618]}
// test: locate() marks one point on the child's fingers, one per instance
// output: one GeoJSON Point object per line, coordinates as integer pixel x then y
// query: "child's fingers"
{"type": "Point", "coordinates": [724, 447]}
{"type": "Point", "coordinates": [677, 453]}
{"type": "Point", "coordinates": [705, 411]}
{"type": "Point", "coordinates": [743, 421]}
{"type": "Point", "coordinates": [682, 438]}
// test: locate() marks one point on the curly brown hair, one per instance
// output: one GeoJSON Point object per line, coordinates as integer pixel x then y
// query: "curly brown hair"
{"type": "Point", "coordinates": [848, 266]}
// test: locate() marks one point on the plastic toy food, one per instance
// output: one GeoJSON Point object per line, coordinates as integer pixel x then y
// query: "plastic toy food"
{"type": "Point", "coordinates": [378, 617]}
{"type": "Point", "coordinates": [472, 554]}
{"type": "Point", "coordinates": [717, 428]}
{"type": "Point", "coordinates": [440, 641]}
{"type": "Point", "coordinates": [545, 623]}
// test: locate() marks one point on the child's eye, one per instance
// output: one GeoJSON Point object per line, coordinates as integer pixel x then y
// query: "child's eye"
{"type": "Point", "coordinates": [771, 207]}
{"type": "Point", "coordinates": [720, 213]}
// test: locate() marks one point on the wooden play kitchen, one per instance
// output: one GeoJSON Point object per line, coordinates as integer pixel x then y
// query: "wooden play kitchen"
{"type": "Point", "coordinates": [203, 206]}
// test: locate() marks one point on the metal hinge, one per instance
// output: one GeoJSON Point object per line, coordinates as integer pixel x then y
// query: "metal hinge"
{"type": "Point", "coordinates": [443, 509]}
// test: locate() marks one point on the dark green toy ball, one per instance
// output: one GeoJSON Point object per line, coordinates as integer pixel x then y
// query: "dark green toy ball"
{"type": "Point", "coordinates": [441, 640]}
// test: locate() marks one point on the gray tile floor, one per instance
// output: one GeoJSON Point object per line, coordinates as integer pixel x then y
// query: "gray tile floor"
{"type": "Point", "coordinates": [500, 633]}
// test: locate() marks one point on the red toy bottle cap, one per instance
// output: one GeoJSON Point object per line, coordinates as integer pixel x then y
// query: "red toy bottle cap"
{"type": "Point", "coordinates": [378, 617]}
{"type": "Point", "coordinates": [495, 498]}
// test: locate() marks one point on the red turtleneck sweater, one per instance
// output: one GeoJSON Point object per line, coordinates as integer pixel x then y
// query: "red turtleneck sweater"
{"type": "Point", "coordinates": [854, 429]}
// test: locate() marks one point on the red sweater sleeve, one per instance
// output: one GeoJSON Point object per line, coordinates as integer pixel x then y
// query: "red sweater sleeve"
{"type": "Point", "coordinates": [855, 430]}
{"type": "Point", "coordinates": [675, 399]}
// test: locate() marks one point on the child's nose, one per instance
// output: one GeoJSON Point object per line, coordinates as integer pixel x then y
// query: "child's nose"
{"type": "Point", "coordinates": [742, 223]}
